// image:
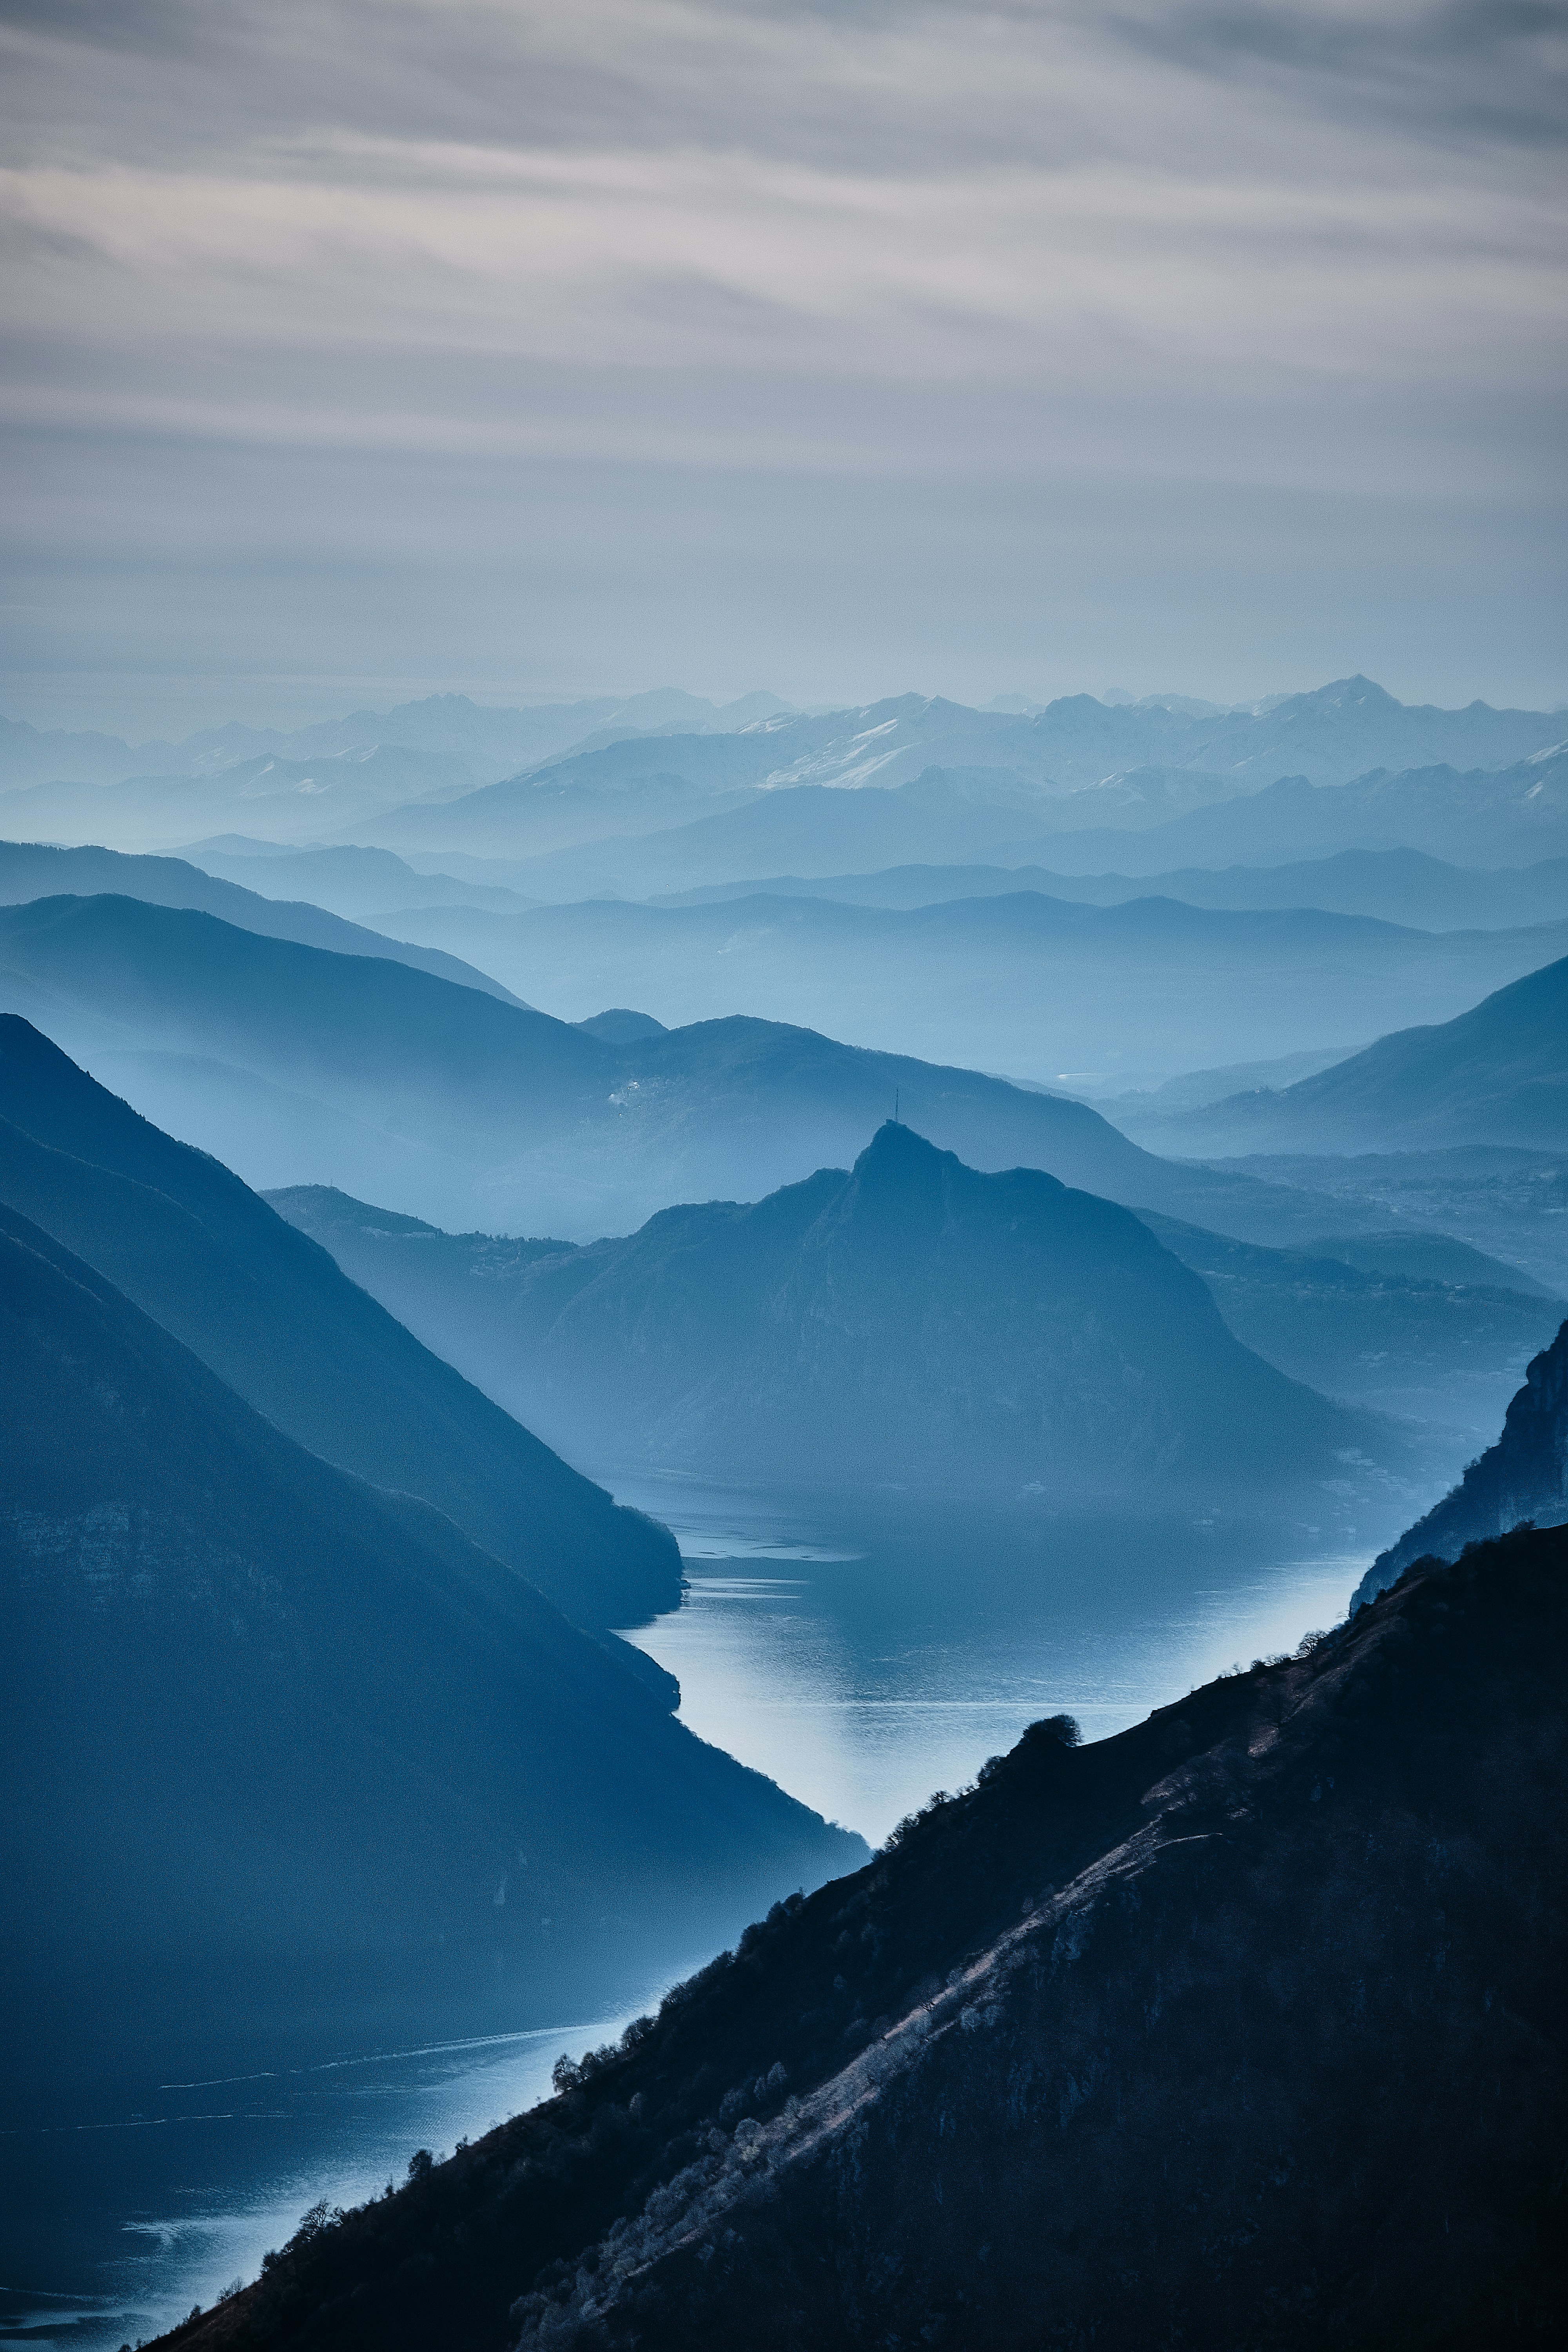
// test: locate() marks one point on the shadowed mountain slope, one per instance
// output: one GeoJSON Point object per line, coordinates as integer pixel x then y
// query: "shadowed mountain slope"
{"type": "Point", "coordinates": [1524, 1477]}
{"type": "Point", "coordinates": [1431, 1348]}
{"type": "Point", "coordinates": [1241, 2028]}
{"type": "Point", "coordinates": [1496, 1074]}
{"type": "Point", "coordinates": [30, 870]}
{"type": "Point", "coordinates": [288, 1758]}
{"type": "Point", "coordinates": [274, 1318]}
{"type": "Point", "coordinates": [295, 1065]}
{"type": "Point", "coordinates": [913, 1321]}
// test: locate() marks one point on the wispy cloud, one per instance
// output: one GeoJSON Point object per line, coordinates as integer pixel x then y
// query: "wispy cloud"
{"type": "Point", "coordinates": [1483, 73]}
{"type": "Point", "coordinates": [1265, 247]}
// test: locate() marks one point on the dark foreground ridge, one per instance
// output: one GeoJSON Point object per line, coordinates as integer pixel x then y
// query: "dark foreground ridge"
{"type": "Point", "coordinates": [1242, 2028]}
{"type": "Point", "coordinates": [1523, 1477]}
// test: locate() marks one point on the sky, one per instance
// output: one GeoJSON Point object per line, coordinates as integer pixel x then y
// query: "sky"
{"type": "Point", "coordinates": [360, 348]}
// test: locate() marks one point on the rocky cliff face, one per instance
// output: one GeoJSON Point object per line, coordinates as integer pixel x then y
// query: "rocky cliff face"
{"type": "Point", "coordinates": [1241, 2029]}
{"type": "Point", "coordinates": [1523, 1477]}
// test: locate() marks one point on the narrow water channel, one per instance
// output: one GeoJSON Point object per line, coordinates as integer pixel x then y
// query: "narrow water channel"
{"type": "Point", "coordinates": [861, 1657]}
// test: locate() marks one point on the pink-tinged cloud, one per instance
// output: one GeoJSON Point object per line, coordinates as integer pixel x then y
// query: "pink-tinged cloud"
{"type": "Point", "coordinates": [845, 346]}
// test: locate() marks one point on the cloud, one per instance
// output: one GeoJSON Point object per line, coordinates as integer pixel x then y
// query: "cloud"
{"type": "Point", "coordinates": [1270, 248]}
{"type": "Point", "coordinates": [1481, 71]}
{"type": "Point", "coordinates": [902, 87]}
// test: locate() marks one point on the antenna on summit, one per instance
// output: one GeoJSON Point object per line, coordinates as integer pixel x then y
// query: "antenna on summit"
{"type": "Point", "coordinates": [895, 1106]}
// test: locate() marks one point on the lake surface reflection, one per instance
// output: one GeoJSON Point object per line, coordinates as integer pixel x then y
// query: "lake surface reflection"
{"type": "Point", "coordinates": [863, 1655]}
{"type": "Point", "coordinates": [864, 1659]}
{"type": "Point", "coordinates": [124, 2210]}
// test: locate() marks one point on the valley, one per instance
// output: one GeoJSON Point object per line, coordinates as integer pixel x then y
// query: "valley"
{"type": "Point", "coordinates": [555, 1424]}
{"type": "Point", "coordinates": [857, 1661]}
{"type": "Point", "coordinates": [783, 1177]}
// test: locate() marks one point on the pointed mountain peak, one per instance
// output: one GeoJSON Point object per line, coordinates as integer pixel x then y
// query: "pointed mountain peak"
{"type": "Point", "coordinates": [899, 1150]}
{"type": "Point", "coordinates": [896, 1135]}
{"type": "Point", "coordinates": [1357, 693]}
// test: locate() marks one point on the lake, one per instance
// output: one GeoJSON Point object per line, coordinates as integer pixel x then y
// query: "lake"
{"type": "Point", "coordinates": [862, 1653]}
{"type": "Point", "coordinates": [865, 1657]}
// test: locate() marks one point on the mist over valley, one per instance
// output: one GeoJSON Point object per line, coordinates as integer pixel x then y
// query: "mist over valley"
{"type": "Point", "coordinates": [1018, 1288]}
{"type": "Point", "coordinates": [784, 1177]}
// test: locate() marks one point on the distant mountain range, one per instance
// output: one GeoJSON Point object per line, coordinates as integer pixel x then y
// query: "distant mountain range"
{"type": "Point", "coordinates": [482, 741]}
{"type": "Point", "coordinates": [637, 823]}
{"type": "Point", "coordinates": [627, 830]}
{"type": "Point", "coordinates": [363, 884]}
{"type": "Point", "coordinates": [910, 1322]}
{"type": "Point", "coordinates": [562, 843]}
{"type": "Point", "coordinates": [272, 1317]}
{"type": "Point", "coordinates": [1395, 886]}
{"type": "Point", "coordinates": [288, 1760]}
{"type": "Point", "coordinates": [1034, 987]}
{"type": "Point", "coordinates": [1072, 745]}
{"type": "Point", "coordinates": [1496, 1074]}
{"type": "Point", "coordinates": [315, 782]}
{"type": "Point", "coordinates": [296, 1065]}
{"type": "Point", "coordinates": [1044, 989]}
{"type": "Point", "coordinates": [945, 776]}
{"type": "Point", "coordinates": [281, 799]}
{"type": "Point", "coordinates": [1514, 816]}
{"type": "Point", "coordinates": [1241, 2028]}
{"type": "Point", "coordinates": [1522, 1478]}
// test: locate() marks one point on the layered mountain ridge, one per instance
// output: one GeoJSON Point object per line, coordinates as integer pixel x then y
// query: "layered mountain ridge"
{"type": "Point", "coordinates": [1524, 1477]}
{"type": "Point", "coordinates": [292, 1063]}
{"type": "Point", "coordinates": [30, 870]}
{"type": "Point", "coordinates": [643, 826]}
{"type": "Point", "coordinates": [911, 1321]}
{"type": "Point", "coordinates": [1014, 980]}
{"type": "Point", "coordinates": [546, 780]}
{"type": "Point", "coordinates": [1396, 886]}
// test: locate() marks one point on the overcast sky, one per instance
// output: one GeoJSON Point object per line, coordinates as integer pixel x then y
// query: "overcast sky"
{"type": "Point", "coordinates": [355, 348]}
